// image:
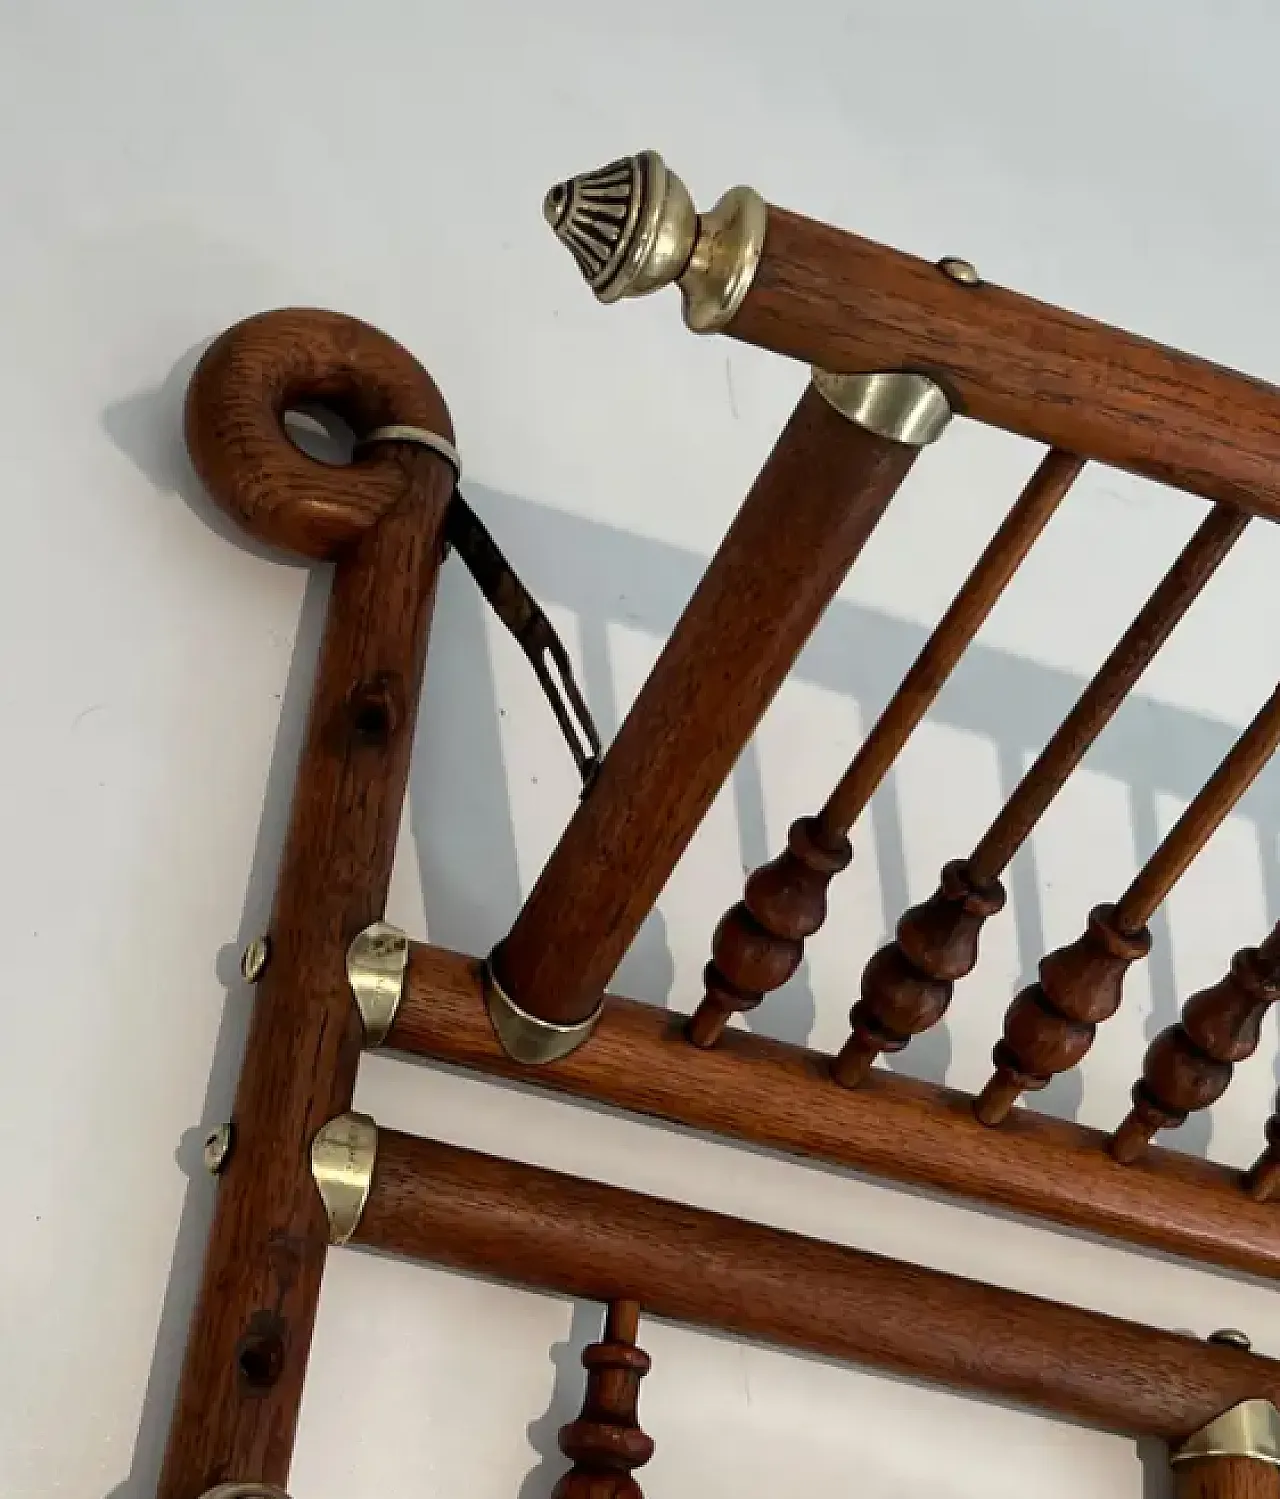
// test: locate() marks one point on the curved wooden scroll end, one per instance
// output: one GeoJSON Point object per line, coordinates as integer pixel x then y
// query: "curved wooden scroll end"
{"type": "Point", "coordinates": [605, 1442]}
{"type": "Point", "coordinates": [272, 362]}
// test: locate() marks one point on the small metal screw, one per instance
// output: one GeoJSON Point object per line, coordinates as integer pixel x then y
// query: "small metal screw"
{"type": "Point", "coordinates": [959, 270]}
{"type": "Point", "coordinates": [1231, 1337]}
{"type": "Point", "coordinates": [254, 959]}
{"type": "Point", "coordinates": [217, 1148]}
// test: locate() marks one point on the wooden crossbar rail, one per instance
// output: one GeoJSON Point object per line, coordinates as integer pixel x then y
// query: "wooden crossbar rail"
{"type": "Point", "coordinates": [552, 1232]}
{"type": "Point", "coordinates": [833, 299]}
{"type": "Point", "coordinates": [767, 1093]}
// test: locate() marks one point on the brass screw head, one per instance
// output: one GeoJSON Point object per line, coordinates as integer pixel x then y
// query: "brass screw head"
{"type": "Point", "coordinates": [1232, 1337]}
{"type": "Point", "coordinates": [959, 270]}
{"type": "Point", "coordinates": [254, 959]}
{"type": "Point", "coordinates": [217, 1148]}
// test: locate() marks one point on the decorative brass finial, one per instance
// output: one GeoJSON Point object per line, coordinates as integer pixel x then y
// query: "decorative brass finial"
{"type": "Point", "coordinates": [633, 229]}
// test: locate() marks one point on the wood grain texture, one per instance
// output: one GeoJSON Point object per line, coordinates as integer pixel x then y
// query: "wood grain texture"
{"type": "Point", "coordinates": [558, 1233]}
{"type": "Point", "coordinates": [255, 372]}
{"type": "Point", "coordinates": [1226, 1478]}
{"type": "Point", "coordinates": [1189, 1064]}
{"type": "Point", "coordinates": [766, 1093]}
{"type": "Point", "coordinates": [831, 298]}
{"type": "Point", "coordinates": [605, 1443]}
{"type": "Point", "coordinates": [759, 943]}
{"type": "Point", "coordinates": [246, 1356]}
{"type": "Point", "coordinates": [799, 531]}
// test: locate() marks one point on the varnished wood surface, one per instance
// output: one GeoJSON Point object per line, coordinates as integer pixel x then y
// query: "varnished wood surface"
{"type": "Point", "coordinates": [770, 1094]}
{"type": "Point", "coordinates": [759, 943]}
{"type": "Point", "coordinates": [1226, 1478]}
{"type": "Point", "coordinates": [246, 1356]}
{"type": "Point", "coordinates": [831, 298]}
{"type": "Point", "coordinates": [559, 1233]}
{"type": "Point", "coordinates": [807, 517]}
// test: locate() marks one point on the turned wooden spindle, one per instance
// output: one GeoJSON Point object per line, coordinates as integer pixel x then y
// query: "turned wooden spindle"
{"type": "Point", "coordinates": [1050, 1026]}
{"type": "Point", "coordinates": [605, 1443]}
{"type": "Point", "coordinates": [907, 985]}
{"type": "Point", "coordinates": [1189, 1065]}
{"type": "Point", "coordinates": [1263, 1177]}
{"type": "Point", "coordinates": [759, 943]}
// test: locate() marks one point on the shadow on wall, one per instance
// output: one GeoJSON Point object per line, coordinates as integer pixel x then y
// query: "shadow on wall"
{"type": "Point", "coordinates": [459, 805]}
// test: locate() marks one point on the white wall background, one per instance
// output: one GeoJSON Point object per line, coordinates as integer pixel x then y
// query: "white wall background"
{"type": "Point", "coordinates": [170, 167]}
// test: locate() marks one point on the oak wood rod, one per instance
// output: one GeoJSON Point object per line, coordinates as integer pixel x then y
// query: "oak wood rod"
{"type": "Point", "coordinates": [760, 942]}
{"type": "Point", "coordinates": [1226, 1478]}
{"type": "Point", "coordinates": [829, 297]}
{"type": "Point", "coordinates": [381, 518]}
{"type": "Point", "coordinates": [808, 515]}
{"type": "Point", "coordinates": [559, 1233]}
{"type": "Point", "coordinates": [766, 1093]}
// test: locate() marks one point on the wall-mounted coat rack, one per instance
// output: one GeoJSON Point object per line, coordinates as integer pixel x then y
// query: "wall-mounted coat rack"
{"type": "Point", "coordinates": [899, 348]}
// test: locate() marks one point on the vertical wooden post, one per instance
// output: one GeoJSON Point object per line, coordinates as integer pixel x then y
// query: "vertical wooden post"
{"type": "Point", "coordinates": [381, 520]}
{"type": "Point", "coordinates": [606, 1442]}
{"type": "Point", "coordinates": [1226, 1478]}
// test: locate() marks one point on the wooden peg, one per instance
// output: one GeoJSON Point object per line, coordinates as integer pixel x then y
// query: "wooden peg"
{"type": "Point", "coordinates": [1263, 1177]}
{"type": "Point", "coordinates": [605, 1443]}
{"type": "Point", "coordinates": [759, 943]}
{"type": "Point", "coordinates": [1189, 1065]}
{"type": "Point", "coordinates": [1050, 1026]}
{"type": "Point", "coordinates": [904, 990]}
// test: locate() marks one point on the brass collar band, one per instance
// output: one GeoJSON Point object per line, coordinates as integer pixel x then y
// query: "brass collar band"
{"type": "Point", "coordinates": [632, 228]}
{"type": "Point", "coordinates": [376, 963]}
{"type": "Point", "coordinates": [419, 437]}
{"type": "Point", "coordinates": [343, 1154]}
{"type": "Point", "coordinates": [1250, 1429]}
{"type": "Point", "coordinates": [524, 1037]}
{"type": "Point", "coordinates": [245, 1491]}
{"type": "Point", "coordinates": [896, 404]}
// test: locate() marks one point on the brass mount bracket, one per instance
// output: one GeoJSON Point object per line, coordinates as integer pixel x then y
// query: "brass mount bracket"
{"type": "Point", "coordinates": [376, 963]}
{"type": "Point", "coordinates": [1250, 1429]}
{"type": "Point", "coordinates": [526, 1038]}
{"type": "Point", "coordinates": [245, 1491]}
{"type": "Point", "coordinates": [343, 1154]}
{"type": "Point", "coordinates": [904, 407]}
{"type": "Point", "coordinates": [632, 228]}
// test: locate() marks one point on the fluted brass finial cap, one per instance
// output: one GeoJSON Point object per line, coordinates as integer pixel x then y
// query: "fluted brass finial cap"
{"type": "Point", "coordinates": [629, 225]}
{"type": "Point", "coordinates": [632, 228]}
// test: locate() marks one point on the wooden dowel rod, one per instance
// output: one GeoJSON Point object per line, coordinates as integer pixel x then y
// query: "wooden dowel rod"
{"type": "Point", "coordinates": [804, 522]}
{"type": "Point", "coordinates": [907, 986]}
{"type": "Point", "coordinates": [766, 1093]}
{"type": "Point", "coordinates": [759, 943]}
{"type": "Point", "coordinates": [955, 632]}
{"type": "Point", "coordinates": [1114, 680]}
{"type": "Point", "coordinates": [1049, 1028]}
{"type": "Point", "coordinates": [1189, 1065]}
{"type": "Point", "coordinates": [828, 297]}
{"type": "Point", "coordinates": [833, 299]}
{"type": "Point", "coordinates": [382, 517]}
{"type": "Point", "coordinates": [1208, 809]}
{"type": "Point", "coordinates": [558, 1233]}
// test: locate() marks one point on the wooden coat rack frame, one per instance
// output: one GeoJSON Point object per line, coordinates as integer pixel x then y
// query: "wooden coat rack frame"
{"type": "Point", "coordinates": [899, 346]}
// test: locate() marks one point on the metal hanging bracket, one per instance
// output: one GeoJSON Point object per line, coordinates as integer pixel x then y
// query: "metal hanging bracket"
{"type": "Point", "coordinates": [343, 1155]}
{"type": "Point", "coordinates": [376, 963]}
